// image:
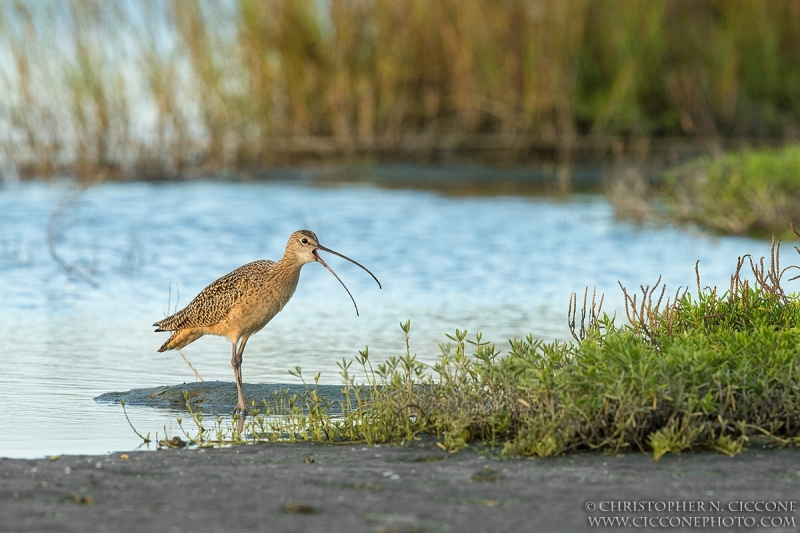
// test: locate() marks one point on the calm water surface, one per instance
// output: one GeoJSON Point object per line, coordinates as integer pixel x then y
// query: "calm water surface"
{"type": "Point", "coordinates": [504, 266]}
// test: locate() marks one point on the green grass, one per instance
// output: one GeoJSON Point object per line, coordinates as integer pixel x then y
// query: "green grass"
{"type": "Point", "coordinates": [698, 371]}
{"type": "Point", "coordinates": [749, 192]}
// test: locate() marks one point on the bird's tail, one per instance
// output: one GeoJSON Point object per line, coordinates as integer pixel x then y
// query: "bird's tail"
{"type": "Point", "coordinates": [169, 323]}
{"type": "Point", "coordinates": [180, 339]}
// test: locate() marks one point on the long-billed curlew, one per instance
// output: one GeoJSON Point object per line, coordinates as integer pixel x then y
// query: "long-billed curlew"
{"type": "Point", "coordinates": [242, 302]}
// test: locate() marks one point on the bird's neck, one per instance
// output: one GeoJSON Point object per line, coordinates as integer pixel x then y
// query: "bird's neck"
{"type": "Point", "coordinates": [289, 263]}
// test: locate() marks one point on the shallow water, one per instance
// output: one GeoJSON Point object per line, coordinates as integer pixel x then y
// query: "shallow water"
{"type": "Point", "coordinates": [504, 266]}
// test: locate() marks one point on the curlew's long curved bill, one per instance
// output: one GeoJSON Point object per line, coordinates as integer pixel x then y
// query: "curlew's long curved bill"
{"type": "Point", "coordinates": [323, 263]}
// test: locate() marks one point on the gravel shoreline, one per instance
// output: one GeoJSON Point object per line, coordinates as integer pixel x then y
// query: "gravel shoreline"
{"type": "Point", "coordinates": [353, 488]}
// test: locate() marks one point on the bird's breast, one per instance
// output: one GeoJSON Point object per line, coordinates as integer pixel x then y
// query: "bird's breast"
{"type": "Point", "coordinates": [261, 303]}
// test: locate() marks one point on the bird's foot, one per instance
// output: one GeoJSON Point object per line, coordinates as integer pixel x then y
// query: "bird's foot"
{"type": "Point", "coordinates": [241, 410]}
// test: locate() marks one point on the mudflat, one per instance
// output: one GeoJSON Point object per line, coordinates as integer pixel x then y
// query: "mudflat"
{"type": "Point", "coordinates": [353, 488]}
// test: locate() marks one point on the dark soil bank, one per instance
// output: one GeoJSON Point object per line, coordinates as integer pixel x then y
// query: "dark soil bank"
{"type": "Point", "coordinates": [306, 487]}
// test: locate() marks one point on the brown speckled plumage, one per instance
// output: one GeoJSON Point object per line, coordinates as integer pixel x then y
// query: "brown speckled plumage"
{"type": "Point", "coordinates": [242, 302]}
{"type": "Point", "coordinates": [247, 286]}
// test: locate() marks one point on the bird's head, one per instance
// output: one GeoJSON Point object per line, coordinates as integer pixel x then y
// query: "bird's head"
{"type": "Point", "coordinates": [304, 246]}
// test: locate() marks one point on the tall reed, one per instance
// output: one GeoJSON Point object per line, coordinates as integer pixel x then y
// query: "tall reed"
{"type": "Point", "coordinates": [158, 88]}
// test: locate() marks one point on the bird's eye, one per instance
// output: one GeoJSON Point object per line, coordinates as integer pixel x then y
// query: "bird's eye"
{"type": "Point", "coordinates": [304, 240]}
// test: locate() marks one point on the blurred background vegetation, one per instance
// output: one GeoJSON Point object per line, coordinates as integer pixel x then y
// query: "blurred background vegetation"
{"type": "Point", "coordinates": [159, 89]}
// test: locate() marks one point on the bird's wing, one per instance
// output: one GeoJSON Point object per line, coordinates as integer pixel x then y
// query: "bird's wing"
{"type": "Point", "coordinates": [215, 302]}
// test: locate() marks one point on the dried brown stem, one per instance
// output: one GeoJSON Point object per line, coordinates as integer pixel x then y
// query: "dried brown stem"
{"type": "Point", "coordinates": [592, 311]}
{"type": "Point", "coordinates": [197, 375]}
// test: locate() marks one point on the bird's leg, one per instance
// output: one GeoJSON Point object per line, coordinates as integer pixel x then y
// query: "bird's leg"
{"type": "Point", "coordinates": [236, 363]}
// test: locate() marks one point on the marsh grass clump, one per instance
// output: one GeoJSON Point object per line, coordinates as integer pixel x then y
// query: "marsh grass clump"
{"type": "Point", "coordinates": [748, 192]}
{"type": "Point", "coordinates": [690, 372]}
